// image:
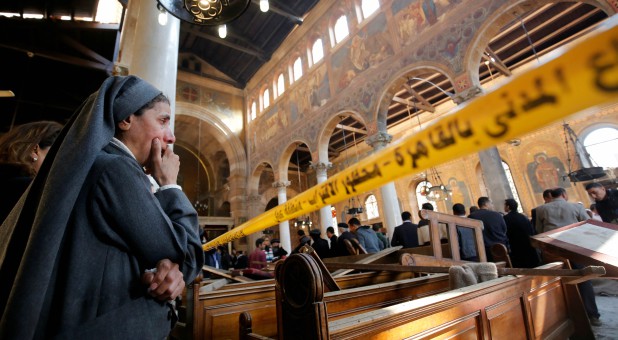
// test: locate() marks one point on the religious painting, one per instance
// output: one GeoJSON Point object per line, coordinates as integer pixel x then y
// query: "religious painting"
{"type": "Point", "coordinates": [273, 122]}
{"type": "Point", "coordinates": [311, 94]}
{"type": "Point", "coordinates": [416, 16]}
{"type": "Point", "coordinates": [459, 193]}
{"type": "Point", "coordinates": [547, 172]}
{"type": "Point", "coordinates": [371, 46]}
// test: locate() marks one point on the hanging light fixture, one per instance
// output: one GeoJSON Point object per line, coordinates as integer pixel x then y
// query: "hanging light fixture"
{"type": "Point", "coordinates": [206, 12]}
{"type": "Point", "coordinates": [438, 192]}
{"type": "Point", "coordinates": [200, 207]}
{"type": "Point", "coordinates": [304, 221]}
{"type": "Point", "coordinates": [222, 31]}
{"type": "Point", "coordinates": [162, 18]}
{"type": "Point", "coordinates": [351, 209]}
{"type": "Point", "coordinates": [264, 6]}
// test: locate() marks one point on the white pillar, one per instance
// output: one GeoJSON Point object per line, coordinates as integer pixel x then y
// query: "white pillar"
{"type": "Point", "coordinates": [326, 215]}
{"type": "Point", "coordinates": [150, 50]}
{"type": "Point", "coordinates": [390, 204]}
{"type": "Point", "coordinates": [284, 226]}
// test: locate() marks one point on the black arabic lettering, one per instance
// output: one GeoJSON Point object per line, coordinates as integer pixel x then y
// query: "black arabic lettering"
{"type": "Point", "coordinates": [399, 157]}
{"type": "Point", "coordinates": [601, 79]}
{"type": "Point", "coordinates": [465, 133]}
{"type": "Point", "coordinates": [421, 151]}
{"type": "Point", "coordinates": [443, 140]}
{"type": "Point", "coordinates": [501, 120]}
{"type": "Point", "coordinates": [543, 98]}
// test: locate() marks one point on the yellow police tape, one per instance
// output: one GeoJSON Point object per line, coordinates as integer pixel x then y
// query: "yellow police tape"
{"type": "Point", "coordinates": [584, 76]}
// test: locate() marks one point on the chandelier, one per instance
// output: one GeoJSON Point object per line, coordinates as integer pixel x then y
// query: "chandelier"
{"type": "Point", "coordinates": [438, 192]}
{"type": "Point", "coordinates": [208, 12]}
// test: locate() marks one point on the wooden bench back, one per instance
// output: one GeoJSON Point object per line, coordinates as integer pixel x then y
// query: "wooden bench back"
{"type": "Point", "coordinates": [513, 307]}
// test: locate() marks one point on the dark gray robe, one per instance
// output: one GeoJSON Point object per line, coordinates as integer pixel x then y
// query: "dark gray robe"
{"type": "Point", "coordinates": [74, 248]}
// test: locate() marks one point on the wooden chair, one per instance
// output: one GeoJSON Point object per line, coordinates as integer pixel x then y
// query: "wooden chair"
{"type": "Point", "coordinates": [500, 253]}
{"type": "Point", "coordinates": [354, 247]}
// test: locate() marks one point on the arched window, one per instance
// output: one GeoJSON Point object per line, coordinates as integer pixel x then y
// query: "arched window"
{"type": "Point", "coordinates": [297, 70]}
{"type": "Point", "coordinates": [265, 99]}
{"type": "Point", "coordinates": [601, 144]}
{"type": "Point", "coordinates": [509, 178]}
{"type": "Point", "coordinates": [371, 207]}
{"type": "Point", "coordinates": [280, 85]}
{"type": "Point", "coordinates": [253, 111]}
{"type": "Point", "coordinates": [317, 51]}
{"type": "Point", "coordinates": [341, 29]}
{"type": "Point", "coordinates": [422, 189]}
{"type": "Point", "coordinates": [368, 7]}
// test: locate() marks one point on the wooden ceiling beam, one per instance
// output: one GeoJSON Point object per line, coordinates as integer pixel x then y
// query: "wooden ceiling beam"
{"type": "Point", "coordinates": [420, 106]}
{"type": "Point", "coordinates": [491, 57]}
{"type": "Point", "coordinates": [209, 37]}
{"type": "Point", "coordinates": [282, 11]}
{"type": "Point", "coordinates": [349, 128]}
{"type": "Point", "coordinates": [420, 98]}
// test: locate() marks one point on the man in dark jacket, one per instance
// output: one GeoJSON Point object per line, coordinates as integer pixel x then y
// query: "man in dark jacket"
{"type": "Point", "coordinates": [344, 235]}
{"type": "Point", "coordinates": [319, 244]}
{"type": "Point", "coordinates": [494, 227]}
{"type": "Point", "coordinates": [330, 233]}
{"type": "Point", "coordinates": [519, 229]}
{"type": "Point", "coordinates": [406, 234]}
{"type": "Point", "coordinates": [606, 201]}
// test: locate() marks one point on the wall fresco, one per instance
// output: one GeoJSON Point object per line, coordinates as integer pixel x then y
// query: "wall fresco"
{"type": "Point", "coordinates": [369, 47]}
{"type": "Point", "coordinates": [310, 94]}
{"type": "Point", "coordinates": [459, 193]}
{"type": "Point", "coordinates": [269, 126]}
{"type": "Point", "coordinates": [547, 172]}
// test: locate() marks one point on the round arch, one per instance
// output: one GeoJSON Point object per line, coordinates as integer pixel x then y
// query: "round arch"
{"type": "Point", "coordinates": [254, 179]}
{"type": "Point", "coordinates": [231, 144]}
{"type": "Point", "coordinates": [327, 131]}
{"type": "Point", "coordinates": [284, 158]}
{"type": "Point", "coordinates": [394, 84]}
{"type": "Point", "coordinates": [502, 16]}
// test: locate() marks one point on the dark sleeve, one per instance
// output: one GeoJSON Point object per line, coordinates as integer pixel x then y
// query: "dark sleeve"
{"type": "Point", "coordinates": [395, 241]}
{"type": "Point", "coordinates": [152, 226]}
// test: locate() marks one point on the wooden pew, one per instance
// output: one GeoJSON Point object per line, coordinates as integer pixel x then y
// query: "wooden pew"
{"type": "Point", "coordinates": [510, 307]}
{"type": "Point", "coordinates": [217, 312]}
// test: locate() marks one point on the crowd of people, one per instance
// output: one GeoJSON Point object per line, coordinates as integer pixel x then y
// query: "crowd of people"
{"type": "Point", "coordinates": [115, 205]}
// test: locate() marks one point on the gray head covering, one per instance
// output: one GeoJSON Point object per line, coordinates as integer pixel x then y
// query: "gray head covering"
{"type": "Point", "coordinates": [31, 236]}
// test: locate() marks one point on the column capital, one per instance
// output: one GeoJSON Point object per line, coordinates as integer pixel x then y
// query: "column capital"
{"type": "Point", "coordinates": [467, 94]}
{"type": "Point", "coordinates": [321, 167]}
{"type": "Point", "coordinates": [379, 140]}
{"type": "Point", "coordinates": [254, 198]}
{"type": "Point", "coordinates": [281, 184]}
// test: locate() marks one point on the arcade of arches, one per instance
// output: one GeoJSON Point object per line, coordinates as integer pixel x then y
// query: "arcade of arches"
{"type": "Point", "coordinates": [395, 72]}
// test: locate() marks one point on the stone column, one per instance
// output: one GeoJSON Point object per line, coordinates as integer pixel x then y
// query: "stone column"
{"type": "Point", "coordinates": [390, 205]}
{"type": "Point", "coordinates": [148, 49]}
{"type": "Point", "coordinates": [498, 186]}
{"type": "Point", "coordinates": [491, 163]}
{"type": "Point", "coordinates": [284, 226]}
{"type": "Point", "coordinates": [326, 216]}
{"type": "Point", "coordinates": [254, 205]}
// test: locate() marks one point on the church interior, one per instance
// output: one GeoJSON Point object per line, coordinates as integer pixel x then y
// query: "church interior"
{"type": "Point", "coordinates": [316, 96]}
{"type": "Point", "coordinates": [294, 95]}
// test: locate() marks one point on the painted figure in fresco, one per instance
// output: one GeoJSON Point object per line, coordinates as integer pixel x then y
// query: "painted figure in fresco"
{"type": "Point", "coordinates": [429, 10]}
{"type": "Point", "coordinates": [546, 172]}
{"type": "Point", "coordinates": [459, 192]}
